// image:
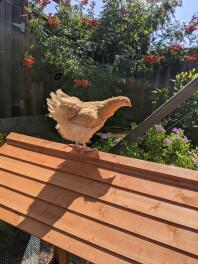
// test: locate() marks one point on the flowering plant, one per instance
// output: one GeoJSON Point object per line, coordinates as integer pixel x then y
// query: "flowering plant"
{"type": "Point", "coordinates": [28, 61]}
{"type": "Point", "coordinates": [168, 147]}
{"type": "Point", "coordinates": [158, 145]}
{"type": "Point", "coordinates": [117, 42]}
{"type": "Point", "coordinates": [81, 83]}
{"type": "Point", "coordinates": [186, 114]}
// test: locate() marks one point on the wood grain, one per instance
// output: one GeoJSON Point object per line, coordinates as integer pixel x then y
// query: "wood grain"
{"type": "Point", "coordinates": [101, 207]}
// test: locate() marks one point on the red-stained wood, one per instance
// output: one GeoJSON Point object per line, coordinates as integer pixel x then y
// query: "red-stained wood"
{"type": "Point", "coordinates": [137, 202]}
{"type": "Point", "coordinates": [101, 207]}
{"type": "Point", "coordinates": [61, 240]}
{"type": "Point", "coordinates": [90, 231]}
{"type": "Point", "coordinates": [61, 256]}
{"type": "Point", "coordinates": [58, 149]}
{"type": "Point", "coordinates": [130, 182]}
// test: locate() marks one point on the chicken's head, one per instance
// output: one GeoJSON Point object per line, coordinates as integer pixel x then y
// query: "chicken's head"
{"type": "Point", "coordinates": [124, 101]}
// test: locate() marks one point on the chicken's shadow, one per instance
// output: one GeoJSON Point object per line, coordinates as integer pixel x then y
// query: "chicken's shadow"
{"type": "Point", "coordinates": [74, 183]}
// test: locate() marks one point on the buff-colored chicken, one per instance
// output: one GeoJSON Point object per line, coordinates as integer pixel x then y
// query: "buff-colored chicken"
{"type": "Point", "coordinates": [77, 121]}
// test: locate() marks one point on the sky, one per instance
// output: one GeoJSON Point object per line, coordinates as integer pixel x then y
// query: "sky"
{"type": "Point", "coordinates": [183, 13]}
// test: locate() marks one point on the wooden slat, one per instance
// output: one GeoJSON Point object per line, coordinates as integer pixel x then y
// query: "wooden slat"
{"type": "Point", "coordinates": [169, 234]}
{"type": "Point", "coordinates": [133, 183]}
{"type": "Point", "coordinates": [62, 240]}
{"type": "Point", "coordinates": [150, 206]}
{"type": "Point", "coordinates": [96, 233]}
{"type": "Point", "coordinates": [101, 158]}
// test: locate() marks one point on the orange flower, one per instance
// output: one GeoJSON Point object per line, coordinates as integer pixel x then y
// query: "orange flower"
{"type": "Point", "coordinates": [53, 20]}
{"type": "Point", "coordinates": [89, 22]}
{"type": "Point", "coordinates": [190, 58]}
{"type": "Point", "coordinates": [152, 58]}
{"type": "Point", "coordinates": [175, 47]}
{"type": "Point", "coordinates": [28, 62]}
{"type": "Point", "coordinates": [81, 83]}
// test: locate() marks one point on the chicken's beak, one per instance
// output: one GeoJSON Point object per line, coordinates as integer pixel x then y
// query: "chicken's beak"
{"type": "Point", "coordinates": [130, 104]}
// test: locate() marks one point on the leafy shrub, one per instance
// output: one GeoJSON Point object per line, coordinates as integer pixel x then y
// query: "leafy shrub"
{"type": "Point", "coordinates": [105, 144]}
{"type": "Point", "coordinates": [160, 146]}
{"type": "Point", "coordinates": [2, 139]}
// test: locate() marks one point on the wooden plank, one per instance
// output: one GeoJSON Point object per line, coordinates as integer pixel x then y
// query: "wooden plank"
{"type": "Point", "coordinates": [105, 192]}
{"type": "Point", "coordinates": [168, 192]}
{"type": "Point", "coordinates": [61, 240]}
{"type": "Point", "coordinates": [160, 113]}
{"type": "Point", "coordinates": [61, 256]}
{"type": "Point", "coordinates": [183, 239]}
{"type": "Point", "coordinates": [98, 234]}
{"type": "Point", "coordinates": [125, 164]}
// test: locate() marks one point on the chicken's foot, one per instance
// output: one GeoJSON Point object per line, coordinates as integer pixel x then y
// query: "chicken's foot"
{"type": "Point", "coordinates": [77, 146]}
{"type": "Point", "coordinates": [85, 148]}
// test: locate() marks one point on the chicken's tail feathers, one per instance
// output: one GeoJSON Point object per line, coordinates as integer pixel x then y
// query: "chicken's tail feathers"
{"type": "Point", "coordinates": [54, 103]}
{"type": "Point", "coordinates": [61, 94]}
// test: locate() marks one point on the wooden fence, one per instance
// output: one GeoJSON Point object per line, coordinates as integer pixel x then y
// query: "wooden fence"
{"type": "Point", "coordinates": [23, 93]}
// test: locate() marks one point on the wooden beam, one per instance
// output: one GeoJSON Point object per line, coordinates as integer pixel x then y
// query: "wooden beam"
{"type": "Point", "coordinates": [160, 113]}
{"type": "Point", "coordinates": [61, 256]}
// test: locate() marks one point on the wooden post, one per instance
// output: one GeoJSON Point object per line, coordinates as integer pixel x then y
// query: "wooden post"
{"type": "Point", "coordinates": [61, 256]}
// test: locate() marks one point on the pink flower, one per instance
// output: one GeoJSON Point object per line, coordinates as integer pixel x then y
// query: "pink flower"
{"type": "Point", "coordinates": [84, 2]}
{"type": "Point", "coordinates": [42, 3]}
{"type": "Point", "coordinates": [104, 136]}
{"type": "Point", "coordinates": [191, 28]}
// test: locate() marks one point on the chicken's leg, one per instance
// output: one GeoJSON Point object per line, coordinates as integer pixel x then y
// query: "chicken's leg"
{"type": "Point", "coordinates": [88, 149]}
{"type": "Point", "coordinates": [77, 146]}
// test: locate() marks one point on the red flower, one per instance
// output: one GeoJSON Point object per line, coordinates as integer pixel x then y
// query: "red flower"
{"type": "Point", "coordinates": [195, 56]}
{"type": "Point", "coordinates": [89, 22]}
{"type": "Point", "coordinates": [28, 62]}
{"type": "Point", "coordinates": [189, 58]}
{"type": "Point", "coordinates": [84, 2]}
{"type": "Point", "coordinates": [81, 83]}
{"type": "Point", "coordinates": [152, 58]}
{"type": "Point", "coordinates": [191, 28]}
{"type": "Point", "coordinates": [53, 20]}
{"type": "Point", "coordinates": [42, 3]}
{"type": "Point", "coordinates": [175, 47]}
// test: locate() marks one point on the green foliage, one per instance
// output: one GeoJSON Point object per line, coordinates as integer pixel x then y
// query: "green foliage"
{"type": "Point", "coordinates": [2, 138]}
{"type": "Point", "coordinates": [189, 109]}
{"type": "Point", "coordinates": [107, 144]}
{"type": "Point", "coordinates": [108, 50]}
{"type": "Point", "coordinates": [116, 41]}
{"type": "Point", "coordinates": [157, 145]}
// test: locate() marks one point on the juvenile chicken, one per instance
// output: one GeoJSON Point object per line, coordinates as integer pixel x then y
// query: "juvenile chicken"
{"type": "Point", "coordinates": [77, 121]}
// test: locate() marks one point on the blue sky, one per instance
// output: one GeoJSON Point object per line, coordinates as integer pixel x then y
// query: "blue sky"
{"type": "Point", "coordinates": [184, 13]}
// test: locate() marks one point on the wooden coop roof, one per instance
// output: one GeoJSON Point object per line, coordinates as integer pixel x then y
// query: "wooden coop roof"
{"type": "Point", "coordinates": [101, 207]}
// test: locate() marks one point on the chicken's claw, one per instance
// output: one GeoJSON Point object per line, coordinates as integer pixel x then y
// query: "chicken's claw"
{"type": "Point", "coordinates": [85, 149]}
